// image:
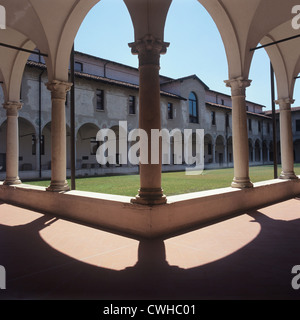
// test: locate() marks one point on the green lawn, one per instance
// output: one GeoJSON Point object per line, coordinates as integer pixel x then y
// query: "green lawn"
{"type": "Point", "coordinates": [172, 183]}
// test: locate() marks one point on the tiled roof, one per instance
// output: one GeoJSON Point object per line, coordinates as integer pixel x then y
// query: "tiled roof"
{"type": "Point", "coordinates": [193, 76]}
{"type": "Point", "coordinates": [294, 109]}
{"type": "Point", "coordinates": [106, 80]}
{"type": "Point", "coordinates": [262, 115]}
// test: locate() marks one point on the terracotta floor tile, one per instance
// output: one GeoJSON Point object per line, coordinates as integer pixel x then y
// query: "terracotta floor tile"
{"type": "Point", "coordinates": [247, 256]}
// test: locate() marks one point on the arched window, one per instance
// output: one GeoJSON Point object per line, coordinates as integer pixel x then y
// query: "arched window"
{"type": "Point", "coordinates": [193, 108]}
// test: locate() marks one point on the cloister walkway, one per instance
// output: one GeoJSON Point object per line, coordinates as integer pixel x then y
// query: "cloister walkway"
{"type": "Point", "coordinates": [248, 256]}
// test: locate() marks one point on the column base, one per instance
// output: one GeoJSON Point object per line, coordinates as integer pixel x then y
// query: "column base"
{"type": "Point", "coordinates": [241, 183]}
{"type": "Point", "coordinates": [12, 181]}
{"type": "Point", "coordinates": [150, 197]}
{"type": "Point", "coordinates": [58, 186]}
{"type": "Point", "coordinates": [288, 175]}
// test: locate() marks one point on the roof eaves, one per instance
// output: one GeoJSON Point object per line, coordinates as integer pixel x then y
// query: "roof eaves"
{"type": "Point", "coordinates": [216, 105]}
{"type": "Point", "coordinates": [193, 76]}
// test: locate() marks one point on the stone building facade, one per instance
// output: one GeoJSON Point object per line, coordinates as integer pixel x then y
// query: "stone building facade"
{"type": "Point", "coordinates": [108, 92]}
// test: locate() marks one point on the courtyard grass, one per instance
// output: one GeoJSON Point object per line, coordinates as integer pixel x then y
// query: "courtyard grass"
{"type": "Point", "coordinates": [173, 183]}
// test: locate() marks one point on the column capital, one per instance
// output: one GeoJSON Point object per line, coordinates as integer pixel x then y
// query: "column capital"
{"type": "Point", "coordinates": [285, 104]}
{"type": "Point", "coordinates": [238, 86]}
{"type": "Point", "coordinates": [149, 49]}
{"type": "Point", "coordinates": [59, 89]}
{"type": "Point", "coordinates": [12, 108]}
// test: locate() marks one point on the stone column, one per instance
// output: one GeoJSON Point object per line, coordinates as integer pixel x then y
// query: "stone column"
{"type": "Point", "coordinates": [213, 150]}
{"type": "Point", "coordinates": [12, 143]}
{"type": "Point", "coordinates": [240, 133]}
{"type": "Point", "coordinates": [225, 154]}
{"type": "Point", "coordinates": [58, 136]}
{"type": "Point", "coordinates": [149, 50]}
{"type": "Point", "coordinates": [286, 139]}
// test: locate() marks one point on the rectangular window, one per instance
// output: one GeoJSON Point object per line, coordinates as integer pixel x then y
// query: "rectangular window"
{"type": "Point", "coordinates": [227, 120]}
{"type": "Point", "coordinates": [297, 125]}
{"type": "Point", "coordinates": [249, 124]}
{"type": "Point", "coordinates": [131, 104]}
{"type": "Point", "coordinates": [100, 100]}
{"type": "Point", "coordinates": [222, 102]}
{"type": "Point", "coordinates": [259, 126]}
{"type": "Point", "coordinates": [170, 110]}
{"type": "Point", "coordinates": [213, 118]}
{"type": "Point", "coordinates": [78, 66]}
{"type": "Point", "coordinates": [268, 127]}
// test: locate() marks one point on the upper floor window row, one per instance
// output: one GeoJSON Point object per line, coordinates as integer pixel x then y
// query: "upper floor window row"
{"type": "Point", "coordinates": [100, 102]}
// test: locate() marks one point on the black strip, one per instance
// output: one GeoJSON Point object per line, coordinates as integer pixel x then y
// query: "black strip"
{"type": "Point", "coordinates": [275, 42]}
{"type": "Point", "coordinates": [22, 49]}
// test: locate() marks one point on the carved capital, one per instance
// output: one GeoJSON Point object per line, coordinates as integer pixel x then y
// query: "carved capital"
{"type": "Point", "coordinates": [12, 108]}
{"type": "Point", "coordinates": [149, 49]}
{"type": "Point", "coordinates": [238, 86]}
{"type": "Point", "coordinates": [285, 104]}
{"type": "Point", "coordinates": [59, 89]}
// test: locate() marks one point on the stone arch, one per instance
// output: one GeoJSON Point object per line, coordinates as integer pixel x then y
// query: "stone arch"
{"type": "Point", "coordinates": [297, 150]}
{"type": "Point", "coordinates": [28, 141]}
{"type": "Point", "coordinates": [257, 147]}
{"type": "Point", "coordinates": [220, 155]}
{"type": "Point", "coordinates": [67, 36]}
{"type": "Point", "coordinates": [279, 67]}
{"type": "Point", "coordinates": [46, 146]}
{"type": "Point", "coordinates": [148, 17]}
{"type": "Point", "coordinates": [208, 149]}
{"type": "Point", "coordinates": [229, 150]}
{"type": "Point", "coordinates": [265, 151]}
{"type": "Point", "coordinates": [86, 146]}
{"type": "Point", "coordinates": [228, 34]}
{"type": "Point", "coordinates": [13, 63]}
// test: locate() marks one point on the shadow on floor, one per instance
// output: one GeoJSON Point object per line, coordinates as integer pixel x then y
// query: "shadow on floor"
{"type": "Point", "coordinates": [259, 270]}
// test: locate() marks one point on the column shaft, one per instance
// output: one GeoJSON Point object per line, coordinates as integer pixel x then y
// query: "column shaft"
{"type": "Point", "coordinates": [12, 143]}
{"type": "Point", "coordinates": [58, 136]}
{"type": "Point", "coordinates": [286, 139]}
{"type": "Point", "coordinates": [149, 50]}
{"type": "Point", "coordinates": [240, 133]}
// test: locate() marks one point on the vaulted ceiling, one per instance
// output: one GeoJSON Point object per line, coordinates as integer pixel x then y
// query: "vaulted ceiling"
{"type": "Point", "coordinates": [52, 25]}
